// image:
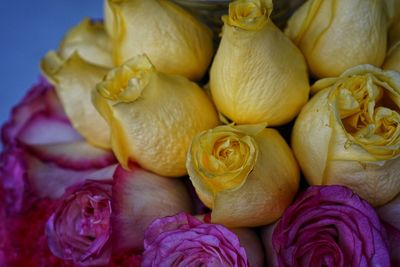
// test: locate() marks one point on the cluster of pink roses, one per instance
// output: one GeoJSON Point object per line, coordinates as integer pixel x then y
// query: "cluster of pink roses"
{"type": "Point", "coordinates": [67, 203]}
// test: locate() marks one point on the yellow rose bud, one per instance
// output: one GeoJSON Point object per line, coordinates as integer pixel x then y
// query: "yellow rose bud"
{"type": "Point", "coordinates": [74, 79]}
{"type": "Point", "coordinates": [258, 75]}
{"type": "Point", "coordinates": [349, 133]}
{"type": "Point", "coordinates": [335, 35]}
{"type": "Point", "coordinates": [392, 60]}
{"type": "Point", "coordinates": [90, 40]}
{"type": "Point", "coordinates": [153, 116]}
{"type": "Point", "coordinates": [173, 39]}
{"type": "Point", "coordinates": [246, 174]}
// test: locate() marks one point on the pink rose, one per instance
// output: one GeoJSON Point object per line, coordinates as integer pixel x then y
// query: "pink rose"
{"type": "Point", "coordinates": [44, 151]}
{"type": "Point", "coordinates": [329, 226]}
{"type": "Point", "coordinates": [79, 229]}
{"type": "Point", "coordinates": [183, 240]}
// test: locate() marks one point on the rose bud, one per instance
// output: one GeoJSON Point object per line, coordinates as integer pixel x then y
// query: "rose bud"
{"type": "Point", "coordinates": [246, 174]}
{"type": "Point", "coordinates": [349, 133]}
{"type": "Point", "coordinates": [322, 31]}
{"type": "Point", "coordinates": [152, 116]}
{"type": "Point", "coordinates": [258, 75]}
{"type": "Point", "coordinates": [174, 40]}
{"type": "Point", "coordinates": [390, 216]}
{"type": "Point", "coordinates": [79, 229]}
{"type": "Point", "coordinates": [392, 60]}
{"type": "Point", "coordinates": [329, 226]}
{"type": "Point", "coordinates": [139, 197]}
{"type": "Point", "coordinates": [183, 240]}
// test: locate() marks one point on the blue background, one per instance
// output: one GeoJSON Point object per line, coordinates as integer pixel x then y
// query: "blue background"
{"type": "Point", "coordinates": [28, 29]}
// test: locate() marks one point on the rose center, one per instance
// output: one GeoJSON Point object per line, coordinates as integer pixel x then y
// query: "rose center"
{"type": "Point", "coordinates": [126, 82]}
{"type": "Point", "coordinates": [94, 217]}
{"type": "Point", "coordinates": [365, 111]}
{"type": "Point", "coordinates": [248, 14]}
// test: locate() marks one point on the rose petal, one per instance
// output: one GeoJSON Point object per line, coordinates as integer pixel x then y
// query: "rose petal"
{"type": "Point", "coordinates": [139, 197]}
{"type": "Point", "coordinates": [390, 215]}
{"type": "Point", "coordinates": [77, 155]}
{"type": "Point", "coordinates": [43, 129]}
{"type": "Point", "coordinates": [74, 80]}
{"type": "Point", "coordinates": [41, 98]}
{"type": "Point", "coordinates": [50, 180]}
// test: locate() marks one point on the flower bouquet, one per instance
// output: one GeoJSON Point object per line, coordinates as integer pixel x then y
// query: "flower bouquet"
{"type": "Point", "coordinates": [144, 144]}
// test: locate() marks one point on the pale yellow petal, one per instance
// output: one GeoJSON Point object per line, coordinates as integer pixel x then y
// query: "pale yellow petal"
{"type": "Point", "coordinates": [311, 137]}
{"type": "Point", "coordinates": [392, 60]}
{"type": "Point", "coordinates": [90, 40]}
{"type": "Point", "coordinates": [376, 182]}
{"type": "Point", "coordinates": [74, 79]}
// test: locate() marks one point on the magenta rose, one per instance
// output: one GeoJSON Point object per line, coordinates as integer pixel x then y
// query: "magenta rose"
{"type": "Point", "coordinates": [183, 240]}
{"type": "Point", "coordinates": [79, 229]}
{"type": "Point", "coordinates": [330, 226]}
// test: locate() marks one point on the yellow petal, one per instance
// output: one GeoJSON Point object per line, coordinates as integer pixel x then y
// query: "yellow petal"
{"type": "Point", "coordinates": [256, 191]}
{"type": "Point", "coordinates": [392, 60]}
{"type": "Point", "coordinates": [90, 40]}
{"type": "Point", "coordinates": [311, 137]}
{"type": "Point", "coordinates": [321, 30]}
{"type": "Point", "coordinates": [154, 126]}
{"type": "Point", "coordinates": [393, 9]}
{"type": "Point", "coordinates": [172, 38]}
{"type": "Point", "coordinates": [349, 133]}
{"type": "Point", "coordinates": [74, 79]}
{"type": "Point", "coordinates": [258, 75]}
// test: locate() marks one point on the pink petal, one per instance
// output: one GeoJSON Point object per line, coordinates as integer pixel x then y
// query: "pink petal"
{"type": "Point", "coordinates": [390, 215]}
{"type": "Point", "coordinates": [139, 197]}
{"type": "Point", "coordinates": [43, 129]}
{"type": "Point", "coordinates": [77, 155]}
{"type": "Point", "coordinates": [50, 180]}
{"type": "Point", "coordinates": [41, 98]}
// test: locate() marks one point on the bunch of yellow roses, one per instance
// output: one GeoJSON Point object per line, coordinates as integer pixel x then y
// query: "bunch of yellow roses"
{"type": "Point", "coordinates": [128, 84]}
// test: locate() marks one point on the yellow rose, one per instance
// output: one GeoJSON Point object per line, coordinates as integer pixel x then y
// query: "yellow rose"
{"type": "Point", "coordinates": [246, 174]}
{"type": "Point", "coordinates": [174, 40]}
{"type": "Point", "coordinates": [258, 75]}
{"type": "Point", "coordinates": [349, 133]}
{"type": "Point", "coordinates": [335, 35]}
{"type": "Point", "coordinates": [392, 60]}
{"type": "Point", "coordinates": [152, 116]}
